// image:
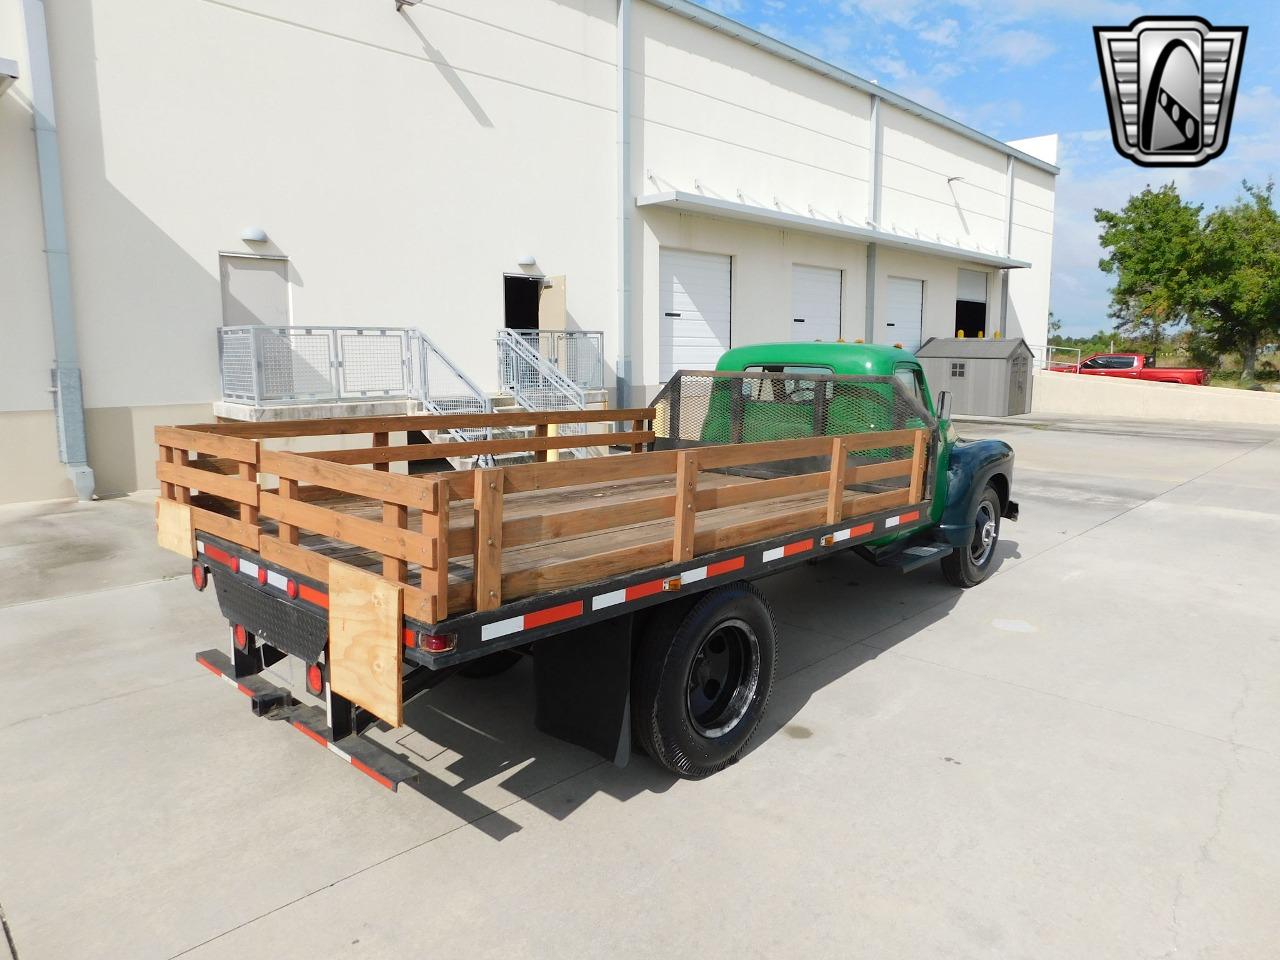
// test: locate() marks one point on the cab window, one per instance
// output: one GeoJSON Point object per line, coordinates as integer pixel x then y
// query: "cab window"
{"type": "Point", "coordinates": [793, 384]}
{"type": "Point", "coordinates": [909, 377]}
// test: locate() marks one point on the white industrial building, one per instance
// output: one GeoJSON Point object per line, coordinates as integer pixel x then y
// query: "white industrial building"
{"type": "Point", "coordinates": [665, 175]}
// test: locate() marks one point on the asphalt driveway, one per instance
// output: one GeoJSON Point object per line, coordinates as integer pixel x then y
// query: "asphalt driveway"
{"type": "Point", "coordinates": [1078, 759]}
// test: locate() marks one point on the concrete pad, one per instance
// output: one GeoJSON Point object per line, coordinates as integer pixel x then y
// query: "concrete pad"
{"type": "Point", "coordinates": [913, 817]}
{"type": "Point", "coordinates": [1078, 758]}
{"type": "Point", "coordinates": [59, 548]}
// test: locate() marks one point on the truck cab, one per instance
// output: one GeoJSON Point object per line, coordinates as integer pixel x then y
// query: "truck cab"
{"type": "Point", "coordinates": [972, 479]}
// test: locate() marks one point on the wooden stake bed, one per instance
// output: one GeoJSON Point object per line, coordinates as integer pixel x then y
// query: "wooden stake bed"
{"type": "Point", "coordinates": [479, 543]}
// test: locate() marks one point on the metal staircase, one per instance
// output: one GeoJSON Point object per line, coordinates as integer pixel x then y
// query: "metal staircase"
{"type": "Point", "coordinates": [269, 372]}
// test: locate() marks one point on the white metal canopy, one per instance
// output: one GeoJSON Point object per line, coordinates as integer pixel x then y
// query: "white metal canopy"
{"type": "Point", "coordinates": [730, 210]}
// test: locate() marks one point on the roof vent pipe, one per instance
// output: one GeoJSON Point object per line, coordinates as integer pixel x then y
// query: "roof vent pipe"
{"type": "Point", "coordinates": [68, 398]}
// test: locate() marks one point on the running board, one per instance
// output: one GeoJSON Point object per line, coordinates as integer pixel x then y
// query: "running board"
{"type": "Point", "coordinates": [913, 558]}
{"type": "Point", "coordinates": [277, 703]}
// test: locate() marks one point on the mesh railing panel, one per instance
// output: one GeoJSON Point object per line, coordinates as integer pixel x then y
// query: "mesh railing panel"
{"type": "Point", "coordinates": [373, 364]}
{"type": "Point", "coordinates": [296, 364]}
{"type": "Point", "coordinates": [705, 408]}
{"type": "Point", "coordinates": [236, 356]}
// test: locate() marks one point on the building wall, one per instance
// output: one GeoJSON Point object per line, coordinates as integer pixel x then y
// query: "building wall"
{"type": "Point", "coordinates": [760, 289]}
{"type": "Point", "coordinates": [404, 162]}
{"type": "Point", "coordinates": [29, 467]}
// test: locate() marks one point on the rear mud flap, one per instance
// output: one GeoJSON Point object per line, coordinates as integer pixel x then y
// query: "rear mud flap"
{"type": "Point", "coordinates": [584, 687]}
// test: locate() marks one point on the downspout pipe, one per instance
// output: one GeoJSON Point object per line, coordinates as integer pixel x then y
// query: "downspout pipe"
{"type": "Point", "coordinates": [626, 206]}
{"type": "Point", "coordinates": [68, 398]}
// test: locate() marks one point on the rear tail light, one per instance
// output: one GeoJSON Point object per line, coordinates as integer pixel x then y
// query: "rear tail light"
{"type": "Point", "coordinates": [262, 575]}
{"type": "Point", "coordinates": [315, 679]}
{"type": "Point", "coordinates": [291, 588]}
{"type": "Point", "coordinates": [241, 636]}
{"type": "Point", "coordinates": [234, 564]}
{"type": "Point", "coordinates": [431, 642]}
{"type": "Point", "coordinates": [199, 575]}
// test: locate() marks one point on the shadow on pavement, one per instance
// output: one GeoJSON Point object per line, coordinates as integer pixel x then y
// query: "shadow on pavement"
{"type": "Point", "coordinates": [470, 735]}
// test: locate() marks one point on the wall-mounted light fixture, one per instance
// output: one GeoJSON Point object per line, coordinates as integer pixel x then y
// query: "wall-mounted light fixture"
{"type": "Point", "coordinates": [527, 260]}
{"type": "Point", "coordinates": [253, 235]}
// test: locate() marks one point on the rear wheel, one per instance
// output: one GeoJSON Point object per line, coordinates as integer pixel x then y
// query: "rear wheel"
{"type": "Point", "coordinates": [969, 565]}
{"type": "Point", "coordinates": [702, 680]}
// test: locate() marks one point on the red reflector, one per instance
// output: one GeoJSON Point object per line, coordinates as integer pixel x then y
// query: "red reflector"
{"type": "Point", "coordinates": [437, 642]}
{"type": "Point", "coordinates": [199, 576]}
{"type": "Point", "coordinates": [234, 564]}
{"type": "Point", "coordinates": [291, 588]}
{"type": "Point", "coordinates": [315, 679]}
{"type": "Point", "coordinates": [241, 636]}
{"type": "Point", "coordinates": [262, 575]}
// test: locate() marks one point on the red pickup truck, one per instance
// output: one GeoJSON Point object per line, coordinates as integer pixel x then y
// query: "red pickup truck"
{"type": "Point", "coordinates": [1133, 366]}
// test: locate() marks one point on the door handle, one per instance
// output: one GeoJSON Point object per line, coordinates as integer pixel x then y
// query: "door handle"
{"type": "Point", "coordinates": [669, 314]}
{"type": "Point", "coordinates": [797, 319]}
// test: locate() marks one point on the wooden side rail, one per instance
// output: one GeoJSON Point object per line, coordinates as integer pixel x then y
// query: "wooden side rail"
{"type": "Point", "coordinates": [197, 470]}
{"type": "Point", "coordinates": [389, 538]}
{"type": "Point", "coordinates": [383, 454]}
{"type": "Point", "coordinates": [346, 426]}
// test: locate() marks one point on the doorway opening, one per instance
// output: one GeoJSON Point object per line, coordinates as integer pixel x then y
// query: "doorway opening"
{"type": "Point", "coordinates": [971, 319]}
{"type": "Point", "coordinates": [520, 301]}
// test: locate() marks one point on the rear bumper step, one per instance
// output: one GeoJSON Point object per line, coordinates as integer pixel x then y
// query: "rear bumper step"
{"type": "Point", "coordinates": [276, 703]}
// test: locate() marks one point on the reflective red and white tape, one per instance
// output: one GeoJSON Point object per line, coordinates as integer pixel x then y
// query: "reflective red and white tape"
{"type": "Point", "coordinates": [218, 673]}
{"type": "Point", "coordinates": [262, 575]}
{"type": "Point", "coordinates": [332, 747]}
{"type": "Point", "coordinates": [338, 751]}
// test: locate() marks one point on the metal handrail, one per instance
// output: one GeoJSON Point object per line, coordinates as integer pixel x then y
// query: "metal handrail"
{"type": "Point", "coordinates": [578, 354]}
{"type": "Point", "coordinates": [1043, 356]}
{"type": "Point", "coordinates": [471, 400]}
{"type": "Point", "coordinates": [531, 377]}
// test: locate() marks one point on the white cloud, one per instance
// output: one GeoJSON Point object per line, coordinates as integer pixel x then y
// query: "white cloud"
{"type": "Point", "coordinates": [943, 34]}
{"type": "Point", "coordinates": [892, 67]}
{"type": "Point", "coordinates": [1019, 48]}
{"type": "Point", "coordinates": [724, 6]}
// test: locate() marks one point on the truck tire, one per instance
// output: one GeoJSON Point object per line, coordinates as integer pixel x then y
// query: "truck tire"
{"type": "Point", "coordinates": [490, 666]}
{"type": "Point", "coordinates": [969, 565]}
{"type": "Point", "coordinates": [702, 679]}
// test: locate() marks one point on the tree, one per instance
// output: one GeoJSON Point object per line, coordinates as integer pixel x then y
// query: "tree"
{"type": "Point", "coordinates": [1238, 276]}
{"type": "Point", "coordinates": [1152, 246]}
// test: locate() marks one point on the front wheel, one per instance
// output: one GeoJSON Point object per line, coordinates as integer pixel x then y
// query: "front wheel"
{"type": "Point", "coordinates": [969, 565]}
{"type": "Point", "coordinates": [702, 680]}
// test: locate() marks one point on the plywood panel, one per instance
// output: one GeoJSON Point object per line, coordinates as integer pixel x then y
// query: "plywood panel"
{"type": "Point", "coordinates": [173, 528]}
{"type": "Point", "coordinates": [365, 646]}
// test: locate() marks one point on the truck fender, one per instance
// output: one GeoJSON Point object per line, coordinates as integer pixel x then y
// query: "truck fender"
{"type": "Point", "coordinates": [972, 465]}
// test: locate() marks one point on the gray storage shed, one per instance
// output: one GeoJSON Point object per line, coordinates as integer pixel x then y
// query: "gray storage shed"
{"type": "Point", "coordinates": [987, 378]}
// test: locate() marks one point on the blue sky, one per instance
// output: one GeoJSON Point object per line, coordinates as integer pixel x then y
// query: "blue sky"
{"type": "Point", "coordinates": [1022, 68]}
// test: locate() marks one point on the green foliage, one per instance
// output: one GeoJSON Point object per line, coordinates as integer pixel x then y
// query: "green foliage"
{"type": "Point", "coordinates": [1152, 246]}
{"type": "Point", "coordinates": [1214, 280]}
{"type": "Point", "coordinates": [1237, 297]}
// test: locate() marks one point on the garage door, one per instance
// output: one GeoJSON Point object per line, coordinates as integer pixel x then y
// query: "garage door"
{"type": "Point", "coordinates": [815, 303]}
{"type": "Point", "coordinates": [693, 299]}
{"type": "Point", "coordinates": [903, 315]}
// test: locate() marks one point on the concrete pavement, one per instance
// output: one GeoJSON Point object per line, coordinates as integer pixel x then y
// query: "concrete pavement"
{"type": "Point", "coordinates": [1079, 758]}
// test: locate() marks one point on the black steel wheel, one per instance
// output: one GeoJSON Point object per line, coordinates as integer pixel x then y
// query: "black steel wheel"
{"type": "Point", "coordinates": [702, 678]}
{"type": "Point", "coordinates": [969, 565]}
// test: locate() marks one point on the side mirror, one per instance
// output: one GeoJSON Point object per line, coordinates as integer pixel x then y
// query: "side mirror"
{"type": "Point", "coordinates": [944, 405]}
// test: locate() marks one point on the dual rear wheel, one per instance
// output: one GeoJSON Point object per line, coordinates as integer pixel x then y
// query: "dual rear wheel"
{"type": "Point", "coordinates": [701, 680]}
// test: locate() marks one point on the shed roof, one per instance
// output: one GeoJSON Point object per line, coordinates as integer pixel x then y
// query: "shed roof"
{"type": "Point", "coordinates": [969, 349]}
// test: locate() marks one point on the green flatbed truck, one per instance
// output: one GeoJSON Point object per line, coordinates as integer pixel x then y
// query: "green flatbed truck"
{"type": "Point", "coordinates": [628, 578]}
